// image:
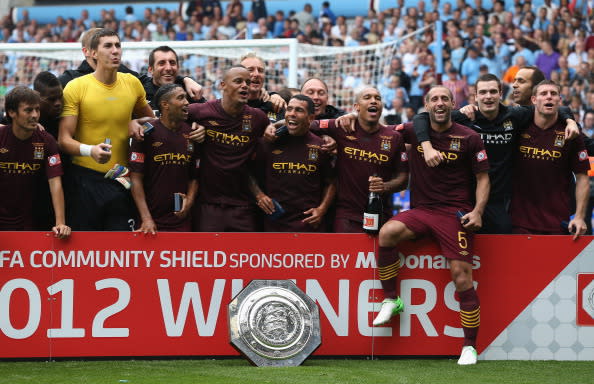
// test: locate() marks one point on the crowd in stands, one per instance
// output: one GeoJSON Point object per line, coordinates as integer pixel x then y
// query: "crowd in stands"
{"type": "Point", "coordinates": [557, 37]}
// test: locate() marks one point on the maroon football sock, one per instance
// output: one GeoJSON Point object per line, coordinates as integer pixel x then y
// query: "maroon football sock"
{"type": "Point", "coordinates": [470, 315]}
{"type": "Point", "coordinates": [388, 267]}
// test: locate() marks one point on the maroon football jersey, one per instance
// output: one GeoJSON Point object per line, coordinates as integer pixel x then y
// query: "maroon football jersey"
{"type": "Point", "coordinates": [230, 142]}
{"type": "Point", "coordinates": [21, 162]}
{"type": "Point", "coordinates": [450, 186]}
{"type": "Point", "coordinates": [168, 161]}
{"type": "Point", "coordinates": [295, 171]}
{"type": "Point", "coordinates": [542, 179]}
{"type": "Point", "coordinates": [361, 155]}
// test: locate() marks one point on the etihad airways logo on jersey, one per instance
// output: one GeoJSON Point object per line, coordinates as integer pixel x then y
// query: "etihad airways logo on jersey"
{"type": "Point", "coordinates": [539, 153]}
{"type": "Point", "coordinates": [496, 138]}
{"type": "Point", "coordinates": [14, 167]}
{"type": "Point", "coordinates": [227, 138]}
{"type": "Point", "coordinates": [363, 155]}
{"type": "Point", "coordinates": [448, 156]}
{"type": "Point", "coordinates": [296, 168]}
{"type": "Point", "coordinates": [171, 158]}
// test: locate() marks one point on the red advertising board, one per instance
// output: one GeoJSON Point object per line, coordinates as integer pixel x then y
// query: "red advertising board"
{"type": "Point", "coordinates": [125, 294]}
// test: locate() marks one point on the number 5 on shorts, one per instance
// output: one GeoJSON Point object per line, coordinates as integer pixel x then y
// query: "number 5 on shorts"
{"type": "Point", "coordinates": [462, 242]}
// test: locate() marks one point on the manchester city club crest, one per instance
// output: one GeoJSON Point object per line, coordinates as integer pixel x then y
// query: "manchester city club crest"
{"type": "Point", "coordinates": [38, 151]}
{"type": "Point", "coordinates": [508, 126]}
{"type": "Point", "coordinates": [246, 124]}
{"type": "Point", "coordinates": [386, 144]}
{"type": "Point", "coordinates": [273, 323]}
{"type": "Point", "coordinates": [455, 144]}
{"type": "Point", "coordinates": [313, 154]}
{"type": "Point", "coordinates": [190, 146]}
{"type": "Point", "coordinates": [559, 140]}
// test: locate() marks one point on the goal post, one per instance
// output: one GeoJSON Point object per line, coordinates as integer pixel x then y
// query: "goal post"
{"type": "Point", "coordinates": [288, 63]}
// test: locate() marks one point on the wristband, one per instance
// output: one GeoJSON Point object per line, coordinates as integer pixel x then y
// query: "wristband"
{"type": "Point", "coordinates": [85, 150]}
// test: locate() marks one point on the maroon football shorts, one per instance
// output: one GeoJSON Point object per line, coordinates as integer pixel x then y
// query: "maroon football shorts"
{"type": "Point", "coordinates": [454, 241]}
{"type": "Point", "coordinates": [227, 218]}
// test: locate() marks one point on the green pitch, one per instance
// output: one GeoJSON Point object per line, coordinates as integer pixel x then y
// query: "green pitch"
{"type": "Point", "coordinates": [313, 371]}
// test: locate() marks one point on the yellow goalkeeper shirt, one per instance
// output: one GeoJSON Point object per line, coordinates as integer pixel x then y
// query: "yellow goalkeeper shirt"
{"type": "Point", "coordinates": [103, 112]}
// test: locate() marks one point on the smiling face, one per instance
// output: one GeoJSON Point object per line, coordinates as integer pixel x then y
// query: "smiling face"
{"type": "Point", "coordinates": [165, 68]}
{"type": "Point", "coordinates": [318, 92]}
{"type": "Point", "coordinates": [488, 97]}
{"type": "Point", "coordinates": [176, 105]}
{"type": "Point", "coordinates": [369, 105]}
{"type": "Point", "coordinates": [256, 69]}
{"type": "Point", "coordinates": [297, 117]}
{"type": "Point", "coordinates": [235, 85]}
{"type": "Point", "coordinates": [439, 103]}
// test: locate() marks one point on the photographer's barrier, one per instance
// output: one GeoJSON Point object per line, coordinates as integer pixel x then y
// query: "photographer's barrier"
{"type": "Point", "coordinates": [125, 294]}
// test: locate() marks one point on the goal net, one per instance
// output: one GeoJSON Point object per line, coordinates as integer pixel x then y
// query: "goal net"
{"type": "Point", "coordinates": [288, 63]}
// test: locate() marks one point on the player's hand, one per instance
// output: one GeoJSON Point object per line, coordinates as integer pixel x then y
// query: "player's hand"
{"type": "Point", "coordinates": [432, 156]}
{"type": "Point", "coordinates": [571, 130]}
{"type": "Point", "coordinates": [101, 153]}
{"type": "Point", "coordinates": [469, 110]}
{"type": "Point", "coordinates": [577, 227]}
{"type": "Point", "coordinates": [185, 209]}
{"type": "Point", "coordinates": [61, 231]}
{"type": "Point", "coordinates": [265, 203]}
{"type": "Point", "coordinates": [40, 127]}
{"type": "Point", "coordinates": [376, 184]}
{"type": "Point", "coordinates": [193, 89]}
{"type": "Point", "coordinates": [472, 221]}
{"type": "Point", "coordinates": [148, 226]}
{"type": "Point", "coordinates": [398, 127]}
{"type": "Point", "coordinates": [198, 133]}
{"type": "Point", "coordinates": [278, 103]}
{"type": "Point", "coordinates": [135, 128]}
{"type": "Point", "coordinates": [270, 133]}
{"type": "Point", "coordinates": [315, 216]}
{"type": "Point", "coordinates": [329, 144]}
{"type": "Point", "coordinates": [347, 122]}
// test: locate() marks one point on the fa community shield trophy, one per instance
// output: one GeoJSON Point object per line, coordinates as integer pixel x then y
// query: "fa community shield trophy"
{"type": "Point", "coordinates": [273, 323]}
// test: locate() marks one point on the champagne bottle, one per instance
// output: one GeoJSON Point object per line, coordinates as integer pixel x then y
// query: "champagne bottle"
{"type": "Point", "coordinates": [372, 214]}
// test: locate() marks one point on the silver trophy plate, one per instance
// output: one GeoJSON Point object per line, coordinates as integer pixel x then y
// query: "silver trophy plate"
{"type": "Point", "coordinates": [273, 323]}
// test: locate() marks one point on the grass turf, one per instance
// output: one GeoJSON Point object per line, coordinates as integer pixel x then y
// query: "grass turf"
{"type": "Point", "coordinates": [313, 371]}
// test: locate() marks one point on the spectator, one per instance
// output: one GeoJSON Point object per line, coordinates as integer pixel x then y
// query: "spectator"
{"type": "Point", "coordinates": [278, 28]}
{"type": "Point", "coordinates": [548, 60]}
{"type": "Point", "coordinates": [259, 9]}
{"type": "Point", "coordinates": [457, 52]}
{"type": "Point", "coordinates": [471, 66]}
{"type": "Point", "coordinates": [129, 17]}
{"type": "Point", "coordinates": [226, 30]}
{"type": "Point", "coordinates": [521, 50]}
{"type": "Point", "coordinates": [578, 56]}
{"type": "Point", "coordinates": [510, 74]}
{"type": "Point", "coordinates": [326, 13]}
{"type": "Point", "coordinates": [458, 87]}
{"type": "Point", "coordinates": [304, 17]}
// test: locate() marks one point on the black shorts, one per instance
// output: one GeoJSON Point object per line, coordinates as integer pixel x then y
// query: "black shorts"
{"type": "Point", "coordinates": [496, 218]}
{"type": "Point", "coordinates": [98, 204]}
